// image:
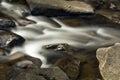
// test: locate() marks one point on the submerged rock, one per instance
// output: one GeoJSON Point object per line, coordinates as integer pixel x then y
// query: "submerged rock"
{"type": "Point", "coordinates": [109, 64]}
{"type": "Point", "coordinates": [61, 47]}
{"type": "Point", "coordinates": [54, 52]}
{"type": "Point", "coordinates": [71, 66]}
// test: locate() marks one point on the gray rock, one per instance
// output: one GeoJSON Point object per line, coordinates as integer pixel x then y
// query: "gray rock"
{"type": "Point", "coordinates": [109, 62]}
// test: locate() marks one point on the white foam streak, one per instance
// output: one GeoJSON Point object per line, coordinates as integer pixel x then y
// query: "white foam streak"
{"type": "Point", "coordinates": [47, 31]}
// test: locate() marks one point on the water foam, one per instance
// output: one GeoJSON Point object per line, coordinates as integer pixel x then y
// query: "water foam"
{"type": "Point", "coordinates": [48, 31]}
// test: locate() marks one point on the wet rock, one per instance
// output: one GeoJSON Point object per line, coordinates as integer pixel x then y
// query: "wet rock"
{"type": "Point", "coordinates": [71, 66]}
{"type": "Point", "coordinates": [16, 65]}
{"type": "Point", "coordinates": [97, 19]}
{"type": "Point", "coordinates": [28, 76]}
{"type": "Point", "coordinates": [23, 67]}
{"type": "Point", "coordinates": [54, 52]}
{"type": "Point", "coordinates": [61, 47]}
{"type": "Point", "coordinates": [7, 24]}
{"type": "Point", "coordinates": [57, 13]}
{"type": "Point", "coordinates": [54, 73]}
{"type": "Point", "coordinates": [109, 64]}
{"type": "Point", "coordinates": [9, 40]}
{"type": "Point", "coordinates": [18, 12]}
{"type": "Point", "coordinates": [59, 8]}
{"type": "Point", "coordinates": [114, 16]}
{"type": "Point", "coordinates": [104, 4]}
{"type": "Point", "coordinates": [109, 9]}
{"type": "Point", "coordinates": [21, 60]}
{"type": "Point", "coordinates": [88, 65]}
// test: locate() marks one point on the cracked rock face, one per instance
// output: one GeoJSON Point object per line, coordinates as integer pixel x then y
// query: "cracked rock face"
{"type": "Point", "coordinates": [109, 59]}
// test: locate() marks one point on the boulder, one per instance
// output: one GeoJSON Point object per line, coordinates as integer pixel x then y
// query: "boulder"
{"type": "Point", "coordinates": [59, 8]}
{"type": "Point", "coordinates": [109, 62]}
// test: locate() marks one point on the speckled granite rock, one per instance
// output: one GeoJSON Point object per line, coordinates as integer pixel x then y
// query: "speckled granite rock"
{"type": "Point", "coordinates": [109, 59]}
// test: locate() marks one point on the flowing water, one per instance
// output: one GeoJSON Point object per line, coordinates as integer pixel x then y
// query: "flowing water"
{"type": "Point", "coordinates": [52, 31]}
{"type": "Point", "coordinates": [85, 39]}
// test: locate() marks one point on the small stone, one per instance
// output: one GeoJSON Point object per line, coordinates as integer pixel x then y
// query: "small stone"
{"type": "Point", "coordinates": [109, 64]}
{"type": "Point", "coordinates": [61, 47]}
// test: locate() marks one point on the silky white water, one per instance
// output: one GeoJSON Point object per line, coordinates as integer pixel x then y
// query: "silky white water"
{"type": "Point", "coordinates": [51, 31]}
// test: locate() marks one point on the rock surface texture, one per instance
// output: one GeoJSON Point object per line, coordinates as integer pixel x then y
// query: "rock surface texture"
{"type": "Point", "coordinates": [109, 59]}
